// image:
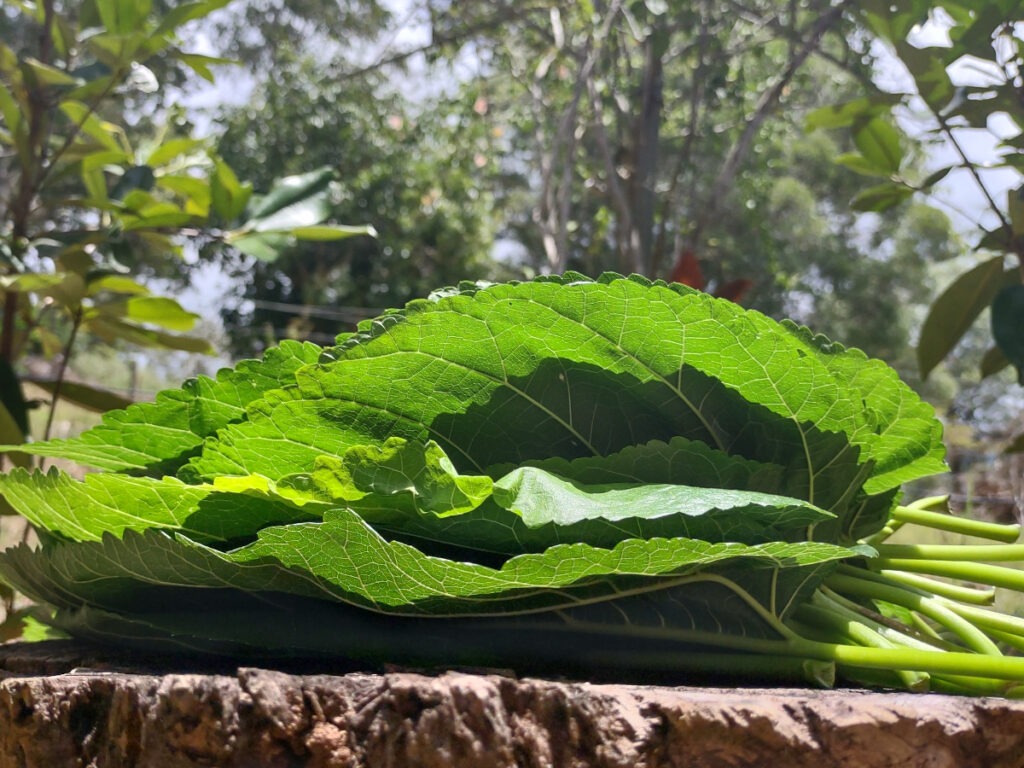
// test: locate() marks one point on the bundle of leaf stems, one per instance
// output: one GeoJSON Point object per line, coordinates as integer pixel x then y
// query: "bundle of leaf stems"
{"type": "Point", "coordinates": [884, 620]}
{"type": "Point", "coordinates": [901, 626]}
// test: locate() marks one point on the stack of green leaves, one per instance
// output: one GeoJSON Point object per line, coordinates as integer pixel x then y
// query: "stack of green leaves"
{"type": "Point", "coordinates": [564, 472]}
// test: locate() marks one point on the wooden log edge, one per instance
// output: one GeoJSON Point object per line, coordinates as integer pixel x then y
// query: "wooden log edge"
{"type": "Point", "coordinates": [62, 705]}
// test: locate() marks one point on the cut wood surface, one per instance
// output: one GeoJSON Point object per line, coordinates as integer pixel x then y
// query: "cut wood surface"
{"type": "Point", "coordinates": [65, 705]}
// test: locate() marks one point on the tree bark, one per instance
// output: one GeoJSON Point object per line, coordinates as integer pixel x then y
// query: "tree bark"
{"type": "Point", "coordinates": [55, 712]}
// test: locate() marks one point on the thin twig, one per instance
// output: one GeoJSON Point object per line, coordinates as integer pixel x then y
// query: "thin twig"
{"type": "Point", "coordinates": [765, 105]}
{"type": "Point", "coordinates": [971, 168]}
{"type": "Point", "coordinates": [62, 370]}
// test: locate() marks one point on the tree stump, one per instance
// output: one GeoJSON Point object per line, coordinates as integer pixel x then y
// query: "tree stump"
{"type": "Point", "coordinates": [65, 705]}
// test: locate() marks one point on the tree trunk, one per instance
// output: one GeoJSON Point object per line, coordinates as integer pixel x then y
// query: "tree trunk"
{"type": "Point", "coordinates": [647, 130]}
{"type": "Point", "coordinates": [62, 705]}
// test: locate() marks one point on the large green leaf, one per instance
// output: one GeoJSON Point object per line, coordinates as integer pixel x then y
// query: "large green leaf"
{"type": "Point", "coordinates": [511, 373]}
{"type": "Point", "coordinates": [302, 214]}
{"type": "Point", "coordinates": [112, 504]}
{"type": "Point", "coordinates": [157, 437]}
{"type": "Point", "coordinates": [633, 634]}
{"type": "Point", "coordinates": [903, 439]}
{"type": "Point", "coordinates": [262, 627]}
{"type": "Point", "coordinates": [602, 514]}
{"type": "Point", "coordinates": [409, 489]}
{"type": "Point", "coordinates": [343, 560]}
{"type": "Point", "coordinates": [619, 467]}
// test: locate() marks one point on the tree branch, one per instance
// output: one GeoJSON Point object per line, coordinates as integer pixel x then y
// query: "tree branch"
{"type": "Point", "coordinates": [505, 15]}
{"type": "Point", "coordinates": [765, 106]}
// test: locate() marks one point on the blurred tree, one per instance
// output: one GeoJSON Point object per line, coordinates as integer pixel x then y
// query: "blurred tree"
{"type": "Point", "coordinates": [87, 194]}
{"type": "Point", "coordinates": [403, 167]}
{"type": "Point", "coordinates": [589, 136]}
{"type": "Point", "coordinates": [662, 137]}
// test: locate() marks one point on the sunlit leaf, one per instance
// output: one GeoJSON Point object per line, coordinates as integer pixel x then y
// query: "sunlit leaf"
{"type": "Point", "coordinates": [614, 466]}
{"type": "Point", "coordinates": [154, 310]}
{"type": "Point", "coordinates": [182, 418]}
{"type": "Point", "coordinates": [196, 193]}
{"type": "Point", "coordinates": [111, 330]}
{"type": "Point", "coordinates": [116, 284]}
{"type": "Point", "coordinates": [108, 134]}
{"type": "Point", "coordinates": [302, 214]}
{"type": "Point", "coordinates": [173, 148]}
{"type": "Point", "coordinates": [860, 164]}
{"type": "Point", "coordinates": [332, 232]}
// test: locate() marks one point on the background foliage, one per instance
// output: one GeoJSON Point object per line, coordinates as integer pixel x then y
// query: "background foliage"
{"type": "Point", "coordinates": [99, 187]}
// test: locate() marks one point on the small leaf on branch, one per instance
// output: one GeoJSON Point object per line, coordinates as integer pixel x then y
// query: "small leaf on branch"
{"type": "Point", "coordinates": [881, 197]}
{"type": "Point", "coordinates": [1008, 325]}
{"type": "Point", "coordinates": [955, 310]}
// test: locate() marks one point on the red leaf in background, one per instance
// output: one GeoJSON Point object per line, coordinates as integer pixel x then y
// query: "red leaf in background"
{"type": "Point", "coordinates": [686, 270]}
{"type": "Point", "coordinates": [735, 290]}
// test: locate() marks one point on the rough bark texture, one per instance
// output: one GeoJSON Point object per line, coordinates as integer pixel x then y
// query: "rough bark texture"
{"type": "Point", "coordinates": [54, 713]}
